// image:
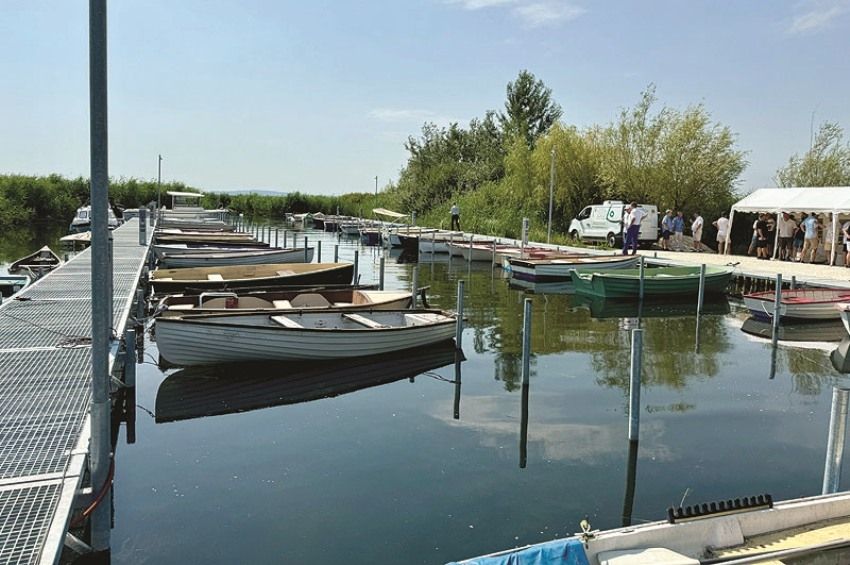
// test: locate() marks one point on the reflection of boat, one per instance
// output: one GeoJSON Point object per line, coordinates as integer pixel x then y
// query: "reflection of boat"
{"type": "Point", "coordinates": [804, 304]}
{"type": "Point", "coordinates": [657, 308]}
{"type": "Point", "coordinates": [211, 391]}
{"type": "Point", "coordinates": [39, 263]}
{"type": "Point", "coordinates": [10, 285]}
{"type": "Point", "coordinates": [559, 268]}
{"type": "Point", "coordinates": [218, 302]}
{"type": "Point", "coordinates": [232, 277]}
{"type": "Point", "coordinates": [301, 334]}
{"type": "Point", "coordinates": [545, 287]}
{"type": "Point", "coordinates": [827, 330]}
{"type": "Point", "coordinates": [660, 281]}
{"type": "Point", "coordinates": [220, 257]}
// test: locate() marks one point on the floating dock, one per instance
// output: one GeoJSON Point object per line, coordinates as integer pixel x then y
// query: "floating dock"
{"type": "Point", "coordinates": [45, 393]}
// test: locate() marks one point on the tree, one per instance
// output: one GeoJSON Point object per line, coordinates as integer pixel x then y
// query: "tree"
{"type": "Point", "coordinates": [826, 163]}
{"type": "Point", "coordinates": [529, 109]}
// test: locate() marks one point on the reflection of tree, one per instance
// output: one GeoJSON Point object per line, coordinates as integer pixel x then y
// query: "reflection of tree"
{"type": "Point", "coordinates": [22, 241]}
{"type": "Point", "coordinates": [810, 369]}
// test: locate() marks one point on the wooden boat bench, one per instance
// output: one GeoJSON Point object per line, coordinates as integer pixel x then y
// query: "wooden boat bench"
{"type": "Point", "coordinates": [417, 320]}
{"type": "Point", "coordinates": [287, 322]}
{"type": "Point", "coordinates": [215, 277]}
{"type": "Point", "coordinates": [364, 321]}
{"type": "Point", "coordinates": [282, 304]}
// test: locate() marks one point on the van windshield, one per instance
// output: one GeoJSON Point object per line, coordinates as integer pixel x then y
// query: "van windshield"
{"type": "Point", "coordinates": [584, 214]}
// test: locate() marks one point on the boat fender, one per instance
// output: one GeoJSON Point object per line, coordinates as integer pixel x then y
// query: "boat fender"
{"type": "Point", "coordinates": [722, 507]}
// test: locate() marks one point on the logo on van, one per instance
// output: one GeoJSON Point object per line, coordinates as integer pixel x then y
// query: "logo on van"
{"type": "Point", "coordinates": [612, 215]}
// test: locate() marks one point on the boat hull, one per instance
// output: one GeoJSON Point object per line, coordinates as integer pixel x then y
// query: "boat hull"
{"type": "Point", "coordinates": [338, 275]}
{"type": "Point", "coordinates": [664, 281]}
{"type": "Point", "coordinates": [562, 269]}
{"type": "Point", "coordinates": [175, 260]}
{"type": "Point", "coordinates": [801, 304]}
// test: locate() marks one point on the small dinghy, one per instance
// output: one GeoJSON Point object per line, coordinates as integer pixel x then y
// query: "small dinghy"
{"type": "Point", "coordinates": [658, 281]}
{"type": "Point", "coordinates": [10, 285]}
{"type": "Point", "coordinates": [39, 263]}
{"type": "Point", "coordinates": [799, 304]}
{"type": "Point", "coordinates": [160, 249]}
{"type": "Point", "coordinates": [559, 268]}
{"type": "Point", "coordinates": [248, 276]}
{"type": "Point", "coordinates": [305, 335]}
{"type": "Point", "coordinates": [223, 257]}
{"type": "Point", "coordinates": [220, 302]}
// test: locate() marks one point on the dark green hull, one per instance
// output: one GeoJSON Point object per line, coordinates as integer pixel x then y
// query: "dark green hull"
{"type": "Point", "coordinates": [662, 281]}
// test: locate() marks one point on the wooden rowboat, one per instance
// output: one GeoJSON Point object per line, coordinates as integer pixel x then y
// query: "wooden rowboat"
{"type": "Point", "coordinates": [203, 248]}
{"type": "Point", "coordinates": [306, 335]}
{"type": "Point", "coordinates": [221, 257]}
{"type": "Point", "coordinates": [248, 276]}
{"type": "Point", "coordinates": [223, 302]}
{"type": "Point", "coordinates": [660, 281]}
{"type": "Point", "coordinates": [197, 392]}
{"type": "Point", "coordinates": [802, 304]}
{"type": "Point", "coordinates": [39, 263]}
{"type": "Point", "coordinates": [560, 268]}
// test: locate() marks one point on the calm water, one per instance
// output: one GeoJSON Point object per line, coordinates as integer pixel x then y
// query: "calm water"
{"type": "Point", "coordinates": [426, 470]}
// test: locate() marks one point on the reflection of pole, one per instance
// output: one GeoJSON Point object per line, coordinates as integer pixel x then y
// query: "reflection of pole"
{"type": "Point", "coordinates": [835, 443]}
{"type": "Point", "coordinates": [459, 328]}
{"type": "Point", "coordinates": [631, 476]}
{"type": "Point", "coordinates": [526, 341]}
{"type": "Point", "coordinates": [701, 295]}
{"type": "Point", "coordinates": [523, 428]}
{"type": "Point", "coordinates": [696, 342]}
{"type": "Point", "coordinates": [777, 302]}
{"type": "Point", "coordinates": [458, 359]}
{"type": "Point", "coordinates": [414, 287]}
{"type": "Point", "coordinates": [634, 384]}
{"type": "Point", "coordinates": [642, 276]}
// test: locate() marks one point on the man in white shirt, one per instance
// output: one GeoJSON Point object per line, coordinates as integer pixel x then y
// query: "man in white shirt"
{"type": "Point", "coordinates": [722, 225]}
{"type": "Point", "coordinates": [786, 226]}
{"type": "Point", "coordinates": [696, 228]}
{"type": "Point", "coordinates": [455, 212]}
{"type": "Point", "coordinates": [632, 227]}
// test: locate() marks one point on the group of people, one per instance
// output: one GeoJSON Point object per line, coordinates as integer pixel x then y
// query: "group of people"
{"type": "Point", "coordinates": [797, 241]}
{"type": "Point", "coordinates": [673, 227]}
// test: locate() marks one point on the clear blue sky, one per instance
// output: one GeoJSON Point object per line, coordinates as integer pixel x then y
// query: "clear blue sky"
{"type": "Point", "coordinates": [319, 96]}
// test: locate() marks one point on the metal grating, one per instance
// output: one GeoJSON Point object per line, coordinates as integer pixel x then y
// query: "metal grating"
{"type": "Point", "coordinates": [48, 323]}
{"type": "Point", "coordinates": [25, 516]}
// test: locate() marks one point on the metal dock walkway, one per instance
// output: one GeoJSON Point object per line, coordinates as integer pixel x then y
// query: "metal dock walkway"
{"type": "Point", "coordinates": [45, 391]}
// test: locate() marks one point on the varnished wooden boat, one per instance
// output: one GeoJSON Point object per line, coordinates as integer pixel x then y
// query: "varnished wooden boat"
{"type": "Point", "coordinates": [800, 304]}
{"type": "Point", "coordinates": [304, 334]}
{"type": "Point", "coordinates": [222, 302]}
{"type": "Point", "coordinates": [248, 276]}
{"type": "Point", "coordinates": [39, 263]}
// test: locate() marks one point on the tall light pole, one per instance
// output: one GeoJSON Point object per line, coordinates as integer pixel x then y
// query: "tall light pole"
{"type": "Point", "coordinates": [158, 182]}
{"type": "Point", "coordinates": [551, 191]}
{"type": "Point", "coordinates": [376, 191]}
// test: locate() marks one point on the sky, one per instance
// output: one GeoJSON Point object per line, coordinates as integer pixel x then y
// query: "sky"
{"type": "Point", "coordinates": [320, 96]}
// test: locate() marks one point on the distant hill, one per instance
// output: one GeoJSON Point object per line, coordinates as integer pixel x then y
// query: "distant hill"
{"type": "Point", "coordinates": [250, 191]}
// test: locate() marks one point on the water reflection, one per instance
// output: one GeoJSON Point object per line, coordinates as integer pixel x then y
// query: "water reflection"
{"type": "Point", "coordinates": [197, 392]}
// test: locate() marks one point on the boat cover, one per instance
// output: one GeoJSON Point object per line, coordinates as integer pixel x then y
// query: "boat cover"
{"type": "Point", "coordinates": [389, 213]}
{"type": "Point", "coordinates": [568, 551]}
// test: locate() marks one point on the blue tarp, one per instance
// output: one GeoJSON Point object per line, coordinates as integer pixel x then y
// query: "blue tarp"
{"type": "Point", "coordinates": [558, 552]}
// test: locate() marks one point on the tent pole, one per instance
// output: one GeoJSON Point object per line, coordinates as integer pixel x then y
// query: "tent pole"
{"type": "Point", "coordinates": [776, 235]}
{"type": "Point", "coordinates": [729, 235]}
{"type": "Point", "coordinates": [832, 242]}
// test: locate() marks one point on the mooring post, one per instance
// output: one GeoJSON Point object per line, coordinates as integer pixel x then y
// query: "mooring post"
{"type": "Point", "coordinates": [336, 253]}
{"type": "Point", "coordinates": [793, 282]}
{"type": "Point", "coordinates": [140, 304]}
{"type": "Point", "coordinates": [470, 248]}
{"type": "Point", "coordinates": [130, 357]}
{"type": "Point", "coordinates": [284, 238]}
{"type": "Point", "coordinates": [835, 442]}
{"type": "Point", "coordinates": [110, 285]}
{"type": "Point", "coordinates": [356, 265]}
{"type": "Point", "coordinates": [381, 266]}
{"type": "Point", "coordinates": [701, 295]}
{"type": "Point", "coordinates": [276, 234]}
{"type": "Point", "coordinates": [493, 266]}
{"type": "Point", "coordinates": [526, 341]}
{"type": "Point", "coordinates": [143, 234]}
{"type": "Point", "coordinates": [414, 287]}
{"type": "Point", "coordinates": [433, 242]}
{"type": "Point", "coordinates": [634, 384]}
{"type": "Point", "coordinates": [777, 301]}
{"type": "Point", "coordinates": [319, 251]}
{"type": "Point", "coordinates": [642, 275]}
{"type": "Point", "coordinates": [459, 326]}
{"type": "Point", "coordinates": [306, 251]}
{"type": "Point", "coordinates": [524, 237]}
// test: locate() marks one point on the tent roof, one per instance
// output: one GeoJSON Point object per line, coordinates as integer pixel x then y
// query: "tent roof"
{"type": "Point", "coordinates": [390, 213]}
{"type": "Point", "coordinates": [184, 194]}
{"type": "Point", "coordinates": [804, 199]}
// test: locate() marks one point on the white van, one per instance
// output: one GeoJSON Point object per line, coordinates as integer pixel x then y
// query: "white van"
{"type": "Point", "coordinates": [604, 222]}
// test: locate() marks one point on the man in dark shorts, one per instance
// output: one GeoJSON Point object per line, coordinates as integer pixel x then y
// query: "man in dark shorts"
{"type": "Point", "coordinates": [761, 242]}
{"type": "Point", "coordinates": [666, 230]}
{"type": "Point", "coordinates": [787, 226]}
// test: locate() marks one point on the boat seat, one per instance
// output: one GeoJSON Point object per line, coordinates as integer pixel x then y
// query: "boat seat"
{"type": "Point", "coordinates": [364, 321]}
{"type": "Point", "coordinates": [214, 277]}
{"type": "Point", "coordinates": [287, 322]}
{"type": "Point", "coordinates": [181, 307]}
{"type": "Point", "coordinates": [310, 300]}
{"type": "Point", "coordinates": [342, 304]}
{"type": "Point", "coordinates": [282, 304]}
{"type": "Point", "coordinates": [417, 320]}
{"type": "Point", "coordinates": [285, 273]}
{"type": "Point", "coordinates": [158, 279]}
{"type": "Point", "coordinates": [645, 556]}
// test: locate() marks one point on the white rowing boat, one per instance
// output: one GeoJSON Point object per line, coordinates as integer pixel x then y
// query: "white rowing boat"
{"type": "Point", "coordinates": [224, 338]}
{"type": "Point", "coordinates": [192, 258]}
{"type": "Point", "coordinates": [560, 268]}
{"type": "Point", "coordinates": [801, 304]}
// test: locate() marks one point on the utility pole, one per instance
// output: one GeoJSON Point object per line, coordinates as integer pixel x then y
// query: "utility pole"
{"type": "Point", "coordinates": [376, 191]}
{"type": "Point", "coordinates": [158, 182]}
{"type": "Point", "coordinates": [551, 191]}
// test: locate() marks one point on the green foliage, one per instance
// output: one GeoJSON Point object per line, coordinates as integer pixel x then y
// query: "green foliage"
{"type": "Point", "coordinates": [826, 163]}
{"type": "Point", "coordinates": [529, 109]}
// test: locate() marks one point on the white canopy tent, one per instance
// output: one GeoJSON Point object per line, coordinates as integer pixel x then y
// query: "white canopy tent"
{"type": "Point", "coordinates": [832, 200]}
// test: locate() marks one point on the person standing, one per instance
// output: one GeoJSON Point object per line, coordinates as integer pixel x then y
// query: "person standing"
{"type": "Point", "coordinates": [754, 240]}
{"type": "Point", "coordinates": [829, 238]}
{"type": "Point", "coordinates": [679, 231]}
{"type": "Point", "coordinates": [810, 242]}
{"type": "Point", "coordinates": [761, 237]}
{"type": "Point", "coordinates": [666, 230]}
{"type": "Point", "coordinates": [722, 225]}
{"type": "Point", "coordinates": [799, 232]}
{"type": "Point", "coordinates": [455, 212]}
{"type": "Point", "coordinates": [786, 227]}
{"type": "Point", "coordinates": [696, 229]}
{"type": "Point", "coordinates": [633, 219]}
{"type": "Point", "coordinates": [845, 231]}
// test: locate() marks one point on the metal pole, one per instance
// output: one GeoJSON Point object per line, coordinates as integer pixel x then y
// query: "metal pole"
{"type": "Point", "coordinates": [336, 253]}
{"type": "Point", "coordinates": [158, 182]}
{"type": "Point", "coordinates": [526, 341]}
{"type": "Point", "coordinates": [835, 443]}
{"type": "Point", "coordinates": [459, 326]}
{"type": "Point", "coordinates": [414, 287]}
{"type": "Point", "coordinates": [469, 259]}
{"type": "Point", "coordinates": [356, 265]}
{"type": "Point", "coordinates": [777, 302]}
{"type": "Point", "coordinates": [319, 251]}
{"type": "Point", "coordinates": [634, 384]}
{"type": "Point", "coordinates": [701, 295]}
{"type": "Point", "coordinates": [143, 239]}
{"type": "Point", "coordinates": [793, 282]}
{"type": "Point", "coordinates": [376, 191]}
{"type": "Point", "coordinates": [130, 357]}
{"type": "Point", "coordinates": [306, 251]}
{"type": "Point", "coordinates": [284, 238]}
{"type": "Point", "coordinates": [276, 234]}
{"type": "Point", "coordinates": [381, 266]}
{"type": "Point", "coordinates": [642, 276]}
{"type": "Point", "coordinates": [493, 266]}
{"type": "Point", "coordinates": [101, 306]}
{"type": "Point", "coordinates": [551, 192]}
{"type": "Point", "coordinates": [140, 304]}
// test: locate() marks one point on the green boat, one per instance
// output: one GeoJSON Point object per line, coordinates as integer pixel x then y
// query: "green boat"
{"type": "Point", "coordinates": [658, 281]}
